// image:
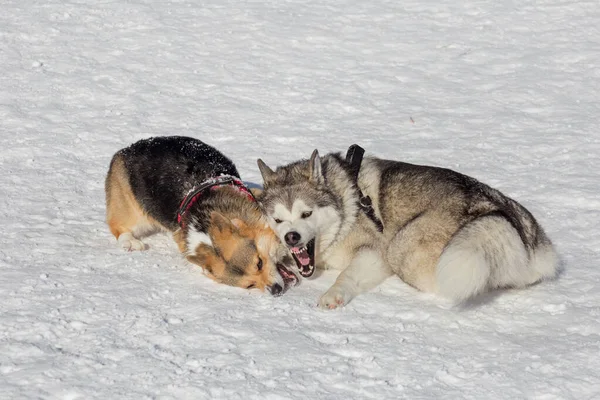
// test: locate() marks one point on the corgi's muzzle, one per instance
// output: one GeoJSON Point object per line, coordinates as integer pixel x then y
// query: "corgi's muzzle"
{"type": "Point", "coordinates": [289, 280]}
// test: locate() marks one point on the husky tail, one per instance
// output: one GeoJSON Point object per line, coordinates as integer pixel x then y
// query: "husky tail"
{"type": "Point", "coordinates": [489, 253]}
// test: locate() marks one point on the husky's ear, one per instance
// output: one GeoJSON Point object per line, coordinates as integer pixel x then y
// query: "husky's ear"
{"type": "Point", "coordinates": [267, 173]}
{"type": "Point", "coordinates": [314, 168]}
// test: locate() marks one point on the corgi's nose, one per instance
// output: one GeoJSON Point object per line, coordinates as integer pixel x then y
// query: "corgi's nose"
{"type": "Point", "coordinates": [276, 289]}
{"type": "Point", "coordinates": [292, 238]}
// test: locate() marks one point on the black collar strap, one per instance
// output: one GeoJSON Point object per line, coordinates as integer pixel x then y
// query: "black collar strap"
{"type": "Point", "coordinates": [354, 157]}
{"type": "Point", "coordinates": [195, 194]}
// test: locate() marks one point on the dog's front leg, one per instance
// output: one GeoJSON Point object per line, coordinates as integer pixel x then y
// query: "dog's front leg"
{"type": "Point", "coordinates": [366, 270]}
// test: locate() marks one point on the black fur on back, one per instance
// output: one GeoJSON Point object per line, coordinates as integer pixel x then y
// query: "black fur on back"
{"type": "Point", "coordinates": [162, 170]}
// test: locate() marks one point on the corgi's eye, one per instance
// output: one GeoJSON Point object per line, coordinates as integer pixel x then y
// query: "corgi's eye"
{"type": "Point", "coordinates": [251, 286]}
{"type": "Point", "coordinates": [306, 214]}
{"type": "Point", "coordinates": [278, 221]}
{"type": "Point", "coordinates": [259, 264]}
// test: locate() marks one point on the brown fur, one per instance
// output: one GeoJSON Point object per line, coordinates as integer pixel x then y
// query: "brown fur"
{"type": "Point", "coordinates": [123, 212]}
{"type": "Point", "coordinates": [237, 243]}
{"type": "Point", "coordinates": [238, 232]}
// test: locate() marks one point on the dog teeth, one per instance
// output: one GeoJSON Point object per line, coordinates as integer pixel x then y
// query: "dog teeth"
{"type": "Point", "coordinates": [299, 251]}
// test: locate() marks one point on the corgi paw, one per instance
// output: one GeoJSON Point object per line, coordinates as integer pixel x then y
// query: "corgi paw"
{"type": "Point", "coordinates": [129, 243]}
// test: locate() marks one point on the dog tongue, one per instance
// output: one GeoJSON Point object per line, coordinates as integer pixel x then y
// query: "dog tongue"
{"type": "Point", "coordinates": [303, 257]}
{"type": "Point", "coordinates": [303, 260]}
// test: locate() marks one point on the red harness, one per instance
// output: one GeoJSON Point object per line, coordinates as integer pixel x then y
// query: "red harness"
{"type": "Point", "coordinates": [211, 184]}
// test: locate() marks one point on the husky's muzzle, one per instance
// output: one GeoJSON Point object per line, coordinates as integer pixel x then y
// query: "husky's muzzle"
{"type": "Point", "coordinates": [304, 255]}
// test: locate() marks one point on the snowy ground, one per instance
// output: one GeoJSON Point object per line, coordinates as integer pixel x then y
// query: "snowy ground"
{"type": "Point", "coordinates": [506, 91]}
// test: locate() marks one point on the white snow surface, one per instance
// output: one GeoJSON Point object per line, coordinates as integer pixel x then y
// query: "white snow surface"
{"type": "Point", "coordinates": [506, 91]}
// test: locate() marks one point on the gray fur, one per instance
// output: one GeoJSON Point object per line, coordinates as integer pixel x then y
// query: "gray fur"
{"type": "Point", "coordinates": [444, 232]}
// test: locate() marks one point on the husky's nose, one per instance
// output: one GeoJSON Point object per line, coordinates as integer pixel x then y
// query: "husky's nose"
{"type": "Point", "coordinates": [292, 238]}
{"type": "Point", "coordinates": [276, 289]}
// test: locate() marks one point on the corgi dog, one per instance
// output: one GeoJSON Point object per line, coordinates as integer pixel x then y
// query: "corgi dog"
{"type": "Point", "coordinates": [184, 186]}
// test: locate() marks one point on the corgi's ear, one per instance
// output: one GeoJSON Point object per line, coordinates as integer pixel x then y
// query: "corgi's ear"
{"type": "Point", "coordinates": [205, 257]}
{"type": "Point", "coordinates": [238, 223]}
{"type": "Point", "coordinates": [256, 192]}
{"type": "Point", "coordinates": [267, 173]}
{"type": "Point", "coordinates": [221, 222]}
{"type": "Point", "coordinates": [314, 168]}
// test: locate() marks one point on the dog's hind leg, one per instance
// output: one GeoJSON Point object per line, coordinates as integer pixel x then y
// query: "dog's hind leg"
{"type": "Point", "coordinates": [414, 251]}
{"type": "Point", "coordinates": [124, 215]}
{"type": "Point", "coordinates": [488, 253]}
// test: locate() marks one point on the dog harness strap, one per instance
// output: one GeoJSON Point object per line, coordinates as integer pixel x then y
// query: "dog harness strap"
{"type": "Point", "coordinates": [224, 180]}
{"type": "Point", "coordinates": [354, 157]}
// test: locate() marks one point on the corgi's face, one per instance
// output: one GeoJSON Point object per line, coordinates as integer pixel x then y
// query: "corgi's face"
{"type": "Point", "coordinates": [249, 257]}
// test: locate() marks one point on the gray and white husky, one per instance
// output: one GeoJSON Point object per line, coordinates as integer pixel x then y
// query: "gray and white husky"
{"type": "Point", "coordinates": [443, 232]}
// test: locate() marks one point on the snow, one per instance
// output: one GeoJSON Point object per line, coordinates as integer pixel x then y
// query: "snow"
{"type": "Point", "coordinates": [505, 91]}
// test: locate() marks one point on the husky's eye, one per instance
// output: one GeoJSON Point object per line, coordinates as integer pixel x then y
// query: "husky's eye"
{"type": "Point", "coordinates": [259, 264]}
{"type": "Point", "coordinates": [278, 221]}
{"type": "Point", "coordinates": [251, 286]}
{"type": "Point", "coordinates": [306, 214]}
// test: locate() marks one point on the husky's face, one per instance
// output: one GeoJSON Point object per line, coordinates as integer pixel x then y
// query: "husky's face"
{"type": "Point", "coordinates": [297, 227]}
{"type": "Point", "coordinates": [299, 207]}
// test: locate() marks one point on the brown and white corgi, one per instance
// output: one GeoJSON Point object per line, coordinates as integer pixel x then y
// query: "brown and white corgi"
{"type": "Point", "coordinates": [184, 186]}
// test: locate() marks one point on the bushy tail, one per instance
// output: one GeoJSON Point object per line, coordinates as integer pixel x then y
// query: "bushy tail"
{"type": "Point", "coordinates": [488, 253]}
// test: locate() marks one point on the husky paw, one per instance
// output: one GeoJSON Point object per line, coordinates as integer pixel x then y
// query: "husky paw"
{"type": "Point", "coordinates": [129, 243]}
{"type": "Point", "coordinates": [335, 297]}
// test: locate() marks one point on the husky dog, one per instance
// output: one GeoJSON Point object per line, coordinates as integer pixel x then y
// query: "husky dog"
{"type": "Point", "coordinates": [438, 230]}
{"type": "Point", "coordinates": [184, 186]}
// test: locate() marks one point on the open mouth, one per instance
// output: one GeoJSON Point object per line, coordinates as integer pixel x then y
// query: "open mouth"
{"type": "Point", "coordinates": [305, 258]}
{"type": "Point", "coordinates": [289, 278]}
